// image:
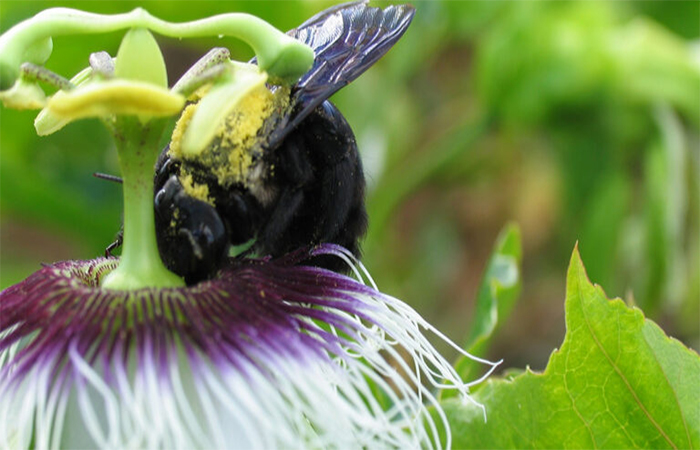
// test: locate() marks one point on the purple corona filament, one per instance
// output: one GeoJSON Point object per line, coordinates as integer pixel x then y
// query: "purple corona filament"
{"type": "Point", "coordinates": [269, 353]}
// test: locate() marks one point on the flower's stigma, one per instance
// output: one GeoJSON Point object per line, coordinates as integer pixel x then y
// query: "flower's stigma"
{"type": "Point", "coordinates": [139, 58]}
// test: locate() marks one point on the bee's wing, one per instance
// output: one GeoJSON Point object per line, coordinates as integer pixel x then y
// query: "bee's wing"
{"type": "Point", "coordinates": [347, 39]}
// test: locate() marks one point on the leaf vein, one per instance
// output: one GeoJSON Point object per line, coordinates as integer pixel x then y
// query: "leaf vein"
{"type": "Point", "coordinates": [675, 397]}
{"type": "Point", "coordinates": [621, 375]}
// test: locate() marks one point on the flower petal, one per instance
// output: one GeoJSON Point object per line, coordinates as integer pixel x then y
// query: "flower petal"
{"type": "Point", "coordinates": [269, 354]}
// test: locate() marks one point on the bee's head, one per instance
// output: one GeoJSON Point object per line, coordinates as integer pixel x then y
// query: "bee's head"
{"type": "Point", "coordinates": [192, 240]}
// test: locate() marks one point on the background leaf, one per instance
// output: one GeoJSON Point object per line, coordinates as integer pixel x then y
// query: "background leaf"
{"type": "Point", "coordinates": [617, 382]}
{"type": "Point", "coordinates": [496, 297]}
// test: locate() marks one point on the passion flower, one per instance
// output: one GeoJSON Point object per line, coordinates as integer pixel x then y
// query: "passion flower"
{"type": "Point", "coordinates": [268, 353]}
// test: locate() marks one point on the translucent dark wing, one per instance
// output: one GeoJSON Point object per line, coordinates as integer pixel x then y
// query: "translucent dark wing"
{"type": "Point", "coordinates": [347, 39]}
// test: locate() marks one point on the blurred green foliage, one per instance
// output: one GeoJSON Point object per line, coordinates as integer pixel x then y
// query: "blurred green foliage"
{"type": "Point", "coordinates": [576, 120]}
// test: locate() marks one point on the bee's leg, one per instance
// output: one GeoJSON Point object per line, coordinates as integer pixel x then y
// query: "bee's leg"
{"type": "Point", "coordinates": [208, 68]}
{"type": "Point", "coordinates": [114, 245]}
{"type": "Point", "coordinates": [108, 177]}
{"type": "Point", "coordinates": [242, 214]}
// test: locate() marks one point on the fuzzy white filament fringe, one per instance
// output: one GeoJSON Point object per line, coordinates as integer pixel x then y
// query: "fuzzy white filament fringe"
{"type": "Point", "coordinates": [278, 396]}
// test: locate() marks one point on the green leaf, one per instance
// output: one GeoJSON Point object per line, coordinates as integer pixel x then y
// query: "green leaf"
{"type": "Point", "coordinates": [496, 297]}
{"type": "Point", "coordinates": [617, 382]}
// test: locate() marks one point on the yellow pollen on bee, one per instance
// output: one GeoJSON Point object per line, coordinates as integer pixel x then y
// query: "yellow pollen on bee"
{"type": "Point", "coordinates": [199, 93]}
{"type": "Point", "coordinates": [238, 132]}
{"type": "Point", "coordinates": [231, 154]}
{"type": "Point", "coordinates": [199, 191]}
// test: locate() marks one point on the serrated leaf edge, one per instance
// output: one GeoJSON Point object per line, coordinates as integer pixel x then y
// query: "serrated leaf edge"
{"type": "Point", "coordinates": [575, 272]}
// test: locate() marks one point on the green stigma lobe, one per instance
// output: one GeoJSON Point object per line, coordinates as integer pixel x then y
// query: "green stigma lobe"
{"type": "Point", "coordinates": [139, 58]}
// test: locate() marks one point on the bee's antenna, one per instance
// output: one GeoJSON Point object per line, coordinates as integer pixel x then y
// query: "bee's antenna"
{"type": "Point", "coordinates": [105, 176]}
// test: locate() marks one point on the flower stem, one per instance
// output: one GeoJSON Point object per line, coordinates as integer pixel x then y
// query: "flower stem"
{"type": "Point", "coordinates": [140, 265]}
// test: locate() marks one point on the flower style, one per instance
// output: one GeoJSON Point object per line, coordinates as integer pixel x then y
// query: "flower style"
{"type": "Point", "coordinates": [269, 353]}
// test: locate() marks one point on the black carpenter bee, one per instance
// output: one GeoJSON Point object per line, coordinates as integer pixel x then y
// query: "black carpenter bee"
{"type": "Point", "coordinates": [298, 180]}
